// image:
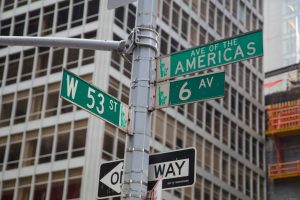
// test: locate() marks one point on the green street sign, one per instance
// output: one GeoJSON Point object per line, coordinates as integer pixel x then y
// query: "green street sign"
{"type": "Point", "coordinates": [211, 55]}
{"type": "Point", "coordinates": [92, 99]}
{"type": "Point", "coordinates": [170, 93]}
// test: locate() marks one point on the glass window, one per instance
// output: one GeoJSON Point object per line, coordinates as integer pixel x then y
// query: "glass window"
{"type": "Point", "coordinates": [212, 10]}
{"type": "Point", "coordinates": [241, 141]}
{"type": "Point", "coordinates": [46, 145]}
{"type": "Point", "coordinates": [175, 16]}
{"type": "Point", "coordinates": [6, 109]}
{"type": "Point", "coordinates": [62, 16]}
{"type": "Point", "coordinates": [119, 16]}
{"type": "Point", "coordinates": [184, 24]}
{"type": "Point", "coordinates": [208, 118]}
{"type": "Point", "coordinates": [203, 9]}
{"type": "Point", "coordinates": [166, 11]}
{"type": "Point", "coordinates": [13, 68]}
{"type": "Point", "coordinates": [77, 14]}
{"type": "Point", "coordinates": [21, 107]}
{"type": "Point", "coordinates": [93, 10]}
{"type": "Point", "coordinates": [217, 126]}
{"type": "Point", "coordinates": [14, 152]}
{"type": "Point", "coordinates": [33, 22]}
{"type": "Point", "coordinates": [19, 25]}
{"type": "Point", "coordinates": [208, 156]}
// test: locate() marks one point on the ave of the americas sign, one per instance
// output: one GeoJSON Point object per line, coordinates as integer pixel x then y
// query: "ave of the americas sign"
{"type": "Point", "coordinates": [92, 99]}
{"type": "Point", "coordinates": [176, 168]}
{"type": "Point", "coordinates": [211, 55]}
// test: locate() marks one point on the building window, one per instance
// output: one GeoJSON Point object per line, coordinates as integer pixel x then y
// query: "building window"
{"type": "Point", "coordinates": [24, 188]}
{"type": "Point", "coordinates": [47, 21]}
{"type": "Point", "coordinates": [199, 145]}
{"type": "Point", "coordinates": [33, 23]}
{"type": "Point", "coordinates": [119, 16]}
{"type": "Point", "coordinates": [79, 140]}
{"type": "Point", "coordinates": [19, 25]}
{"type": "Point", "coordinates": [247, 113]}
{"type": "Point", "coordinates": [175, 16]}
{"type": "Point", "coordinates": [220, 22]}
{"type": "Point", "coordinates": [13, 68]}
{"type": "Point", "coordinates": [14, 152]}
{"type": "Point", "coordinates": [170, 132]}
{"type": "Point", "coordinates": [240, 141]}
{"type": "Point", "coordinates": [207, 189]}
{"type": "Point", "coordinates": [40, 188]}
{"type": "Point", "coordinates": [233, 136]}
{"type": "Point", "coordinates": [233, 101]}
{"type": "Point", "coordinates": [233, 173]}
{"type": "Point", "coordinates": [226, 96]}
{"type": "Point", "coordinates": [203, 9]}
{"type": "Point", "coordinates": [27, 64]}
{"type": "Point", "coordinates": [42, 61]}
{"type": "Point", "coordinates": [212, 10]}
{"type": "Point", "coordinates": [62, 16]}
{"type": "Point", "coordinates": [241, 107]}
{"type": "Point", "coordinates": [92, 11]}
{"type": "Point", "coordinates": [164, 42]}
{"type": "Point", "coordinates": [247, 146]}
{"type": "Point", "coordinates": [184, 24]}
{"type": "Point", "coordinates": [208, 156]}
{"type": "Point", "coordinates": [21, 107]}
{"type": "Point", "coordinates": [77, 15]}
{"type": "Point", "coordinates": [46, 145]}
{"type": "Point", "coordinates": [2, 151]}
{"type": "Point", "coordinates": [130, 18]}
{"type": "Point", "coordinates": [200, 114]}
{"type": "Point", "coordinates": [254, 151]}
{"type": "Point", "coordinates": [225, 167]}
{"type": "Point", "coordinates": [225, 130]}
{"type": "Point", "coordinates": [208, 118]}
{"type": "Point", "coordinates": [52, 100]}
{"type": "Point", "coordinates": [166, 11]}
{"type": "Point", "coordinates": [74, 183]}
{"type": "Point", "coordinates": [30, 148]}
{"type": "Point", "coordinates": [62, 142]}
{"type": "Point", "coordinates": [217, 124]}
{"type": "Point", "coordinates": [216, 159]}
{"type": "Point", "coordinates": [240, 177]}
{"type": "Point", "coordinates": [57, 185]}
{"type": "Point", "coordinates": [6, 109]}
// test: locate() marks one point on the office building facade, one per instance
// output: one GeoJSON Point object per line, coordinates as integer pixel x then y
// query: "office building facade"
{"type": "Point", "coordinates": [50, 149]}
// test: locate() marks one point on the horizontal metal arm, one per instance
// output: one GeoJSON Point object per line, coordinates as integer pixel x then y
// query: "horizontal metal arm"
{"type": "Point", "coordinates": [104, 45]}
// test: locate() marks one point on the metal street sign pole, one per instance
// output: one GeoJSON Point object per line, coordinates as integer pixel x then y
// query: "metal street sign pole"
{"type": "Point", "coordinates": [138, 141]}
{"type": "Point", "coordinates": [78, 43]}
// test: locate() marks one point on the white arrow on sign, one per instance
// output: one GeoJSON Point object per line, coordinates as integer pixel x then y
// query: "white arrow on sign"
{"type": "Point", "coordinates": [113, 179]}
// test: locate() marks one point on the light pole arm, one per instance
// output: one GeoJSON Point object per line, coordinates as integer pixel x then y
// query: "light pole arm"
{"type": "Point", "coordinates": [78, 43]}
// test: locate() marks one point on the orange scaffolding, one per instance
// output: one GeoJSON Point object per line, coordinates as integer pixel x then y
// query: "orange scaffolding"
{"type": "Point", "coordinates": [283, 120]}
{"type": "Point", "coordinates": [284, 170]}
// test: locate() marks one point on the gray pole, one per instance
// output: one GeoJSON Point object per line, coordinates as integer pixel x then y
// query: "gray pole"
{"type": "Point", "coordinates": [141, 102]}
{"type": "Point", "coordinates": [78, 43]}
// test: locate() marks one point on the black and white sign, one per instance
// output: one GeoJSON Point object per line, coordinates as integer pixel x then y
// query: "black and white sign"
{"type": "Point", "coordinates": [110, 179]}
{"type": "Point", "coordinates": [176, 168]}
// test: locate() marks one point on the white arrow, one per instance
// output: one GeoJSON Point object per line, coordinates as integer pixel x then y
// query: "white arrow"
{"type": "Point", "coordinates": [113, 179]}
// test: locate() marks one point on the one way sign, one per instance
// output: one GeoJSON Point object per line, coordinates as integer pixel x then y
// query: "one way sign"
{"type": "Point", "coordinates": [177, 169]}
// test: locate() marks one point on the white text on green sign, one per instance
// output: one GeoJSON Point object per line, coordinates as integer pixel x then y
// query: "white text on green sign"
{"type": "Point", "coordinates": [211, 55]}
{"type": "Point", "coordinates": [170, 93]}
{"type": "Point", "coordinates": [94, 100]}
